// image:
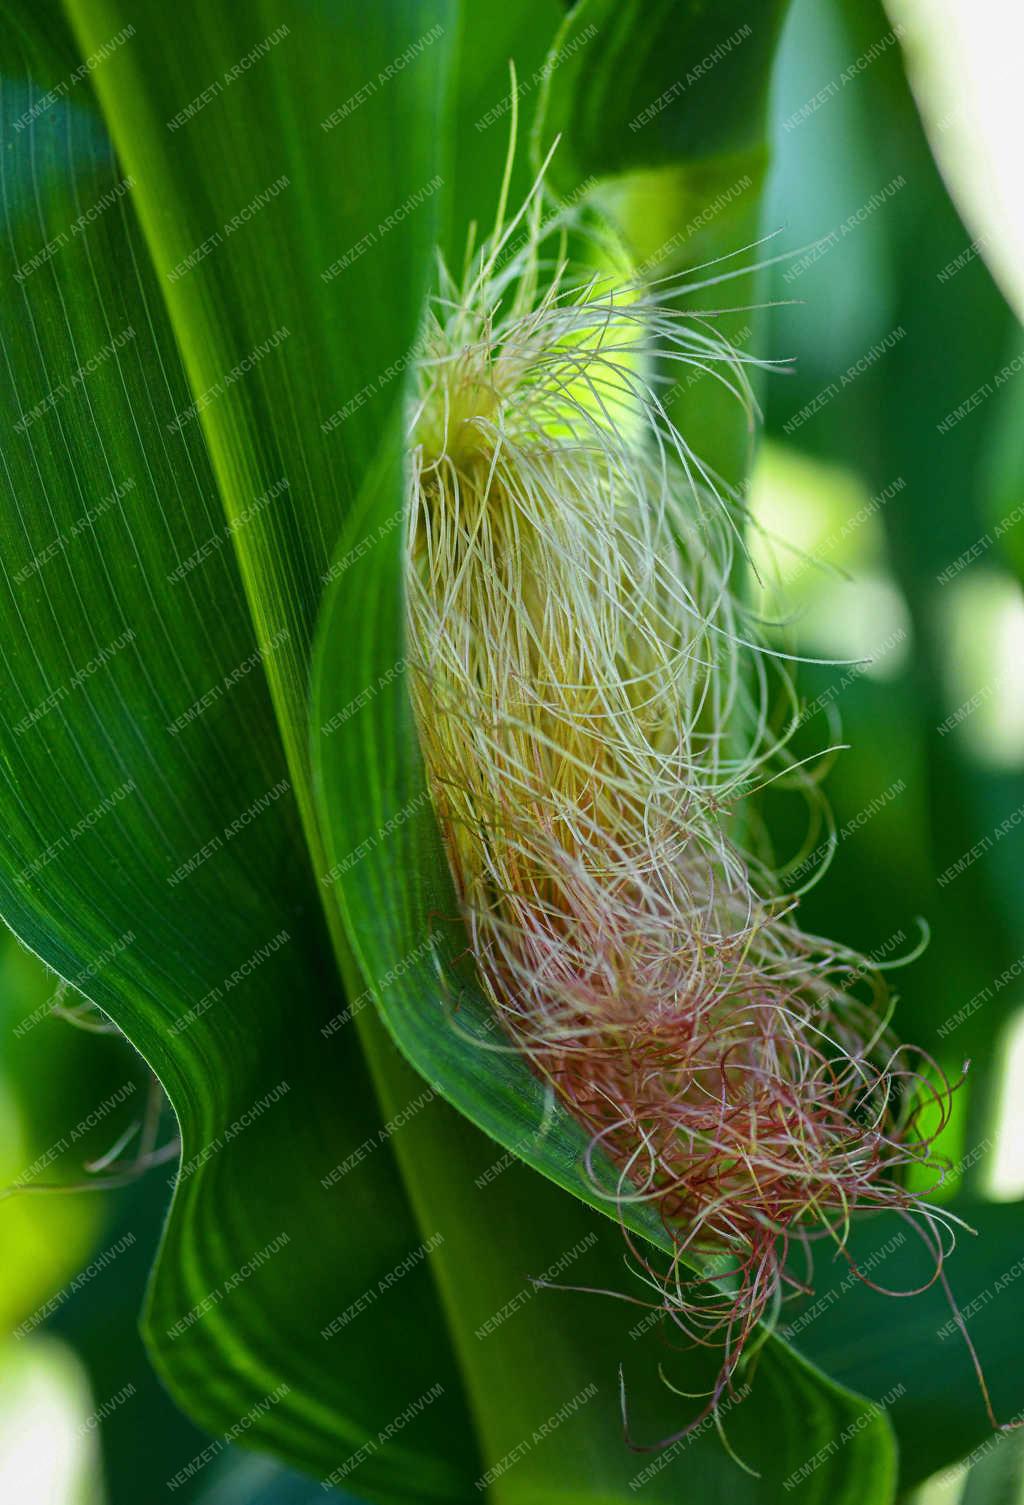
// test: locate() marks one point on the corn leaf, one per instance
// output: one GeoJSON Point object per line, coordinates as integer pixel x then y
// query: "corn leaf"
{"type": "Point", "coordinates": [154, 849]}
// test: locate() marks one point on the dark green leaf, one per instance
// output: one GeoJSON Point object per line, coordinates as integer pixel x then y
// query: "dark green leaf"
{"type": "Point", "coordinates": [147, 791]}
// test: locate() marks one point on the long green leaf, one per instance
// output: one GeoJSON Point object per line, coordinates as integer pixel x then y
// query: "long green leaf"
{"type": "Point", "coordinates": [148, 795]}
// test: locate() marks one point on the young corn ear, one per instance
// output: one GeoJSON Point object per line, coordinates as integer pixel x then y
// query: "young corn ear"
{"type": "Point", "coordinates": [592, 700]}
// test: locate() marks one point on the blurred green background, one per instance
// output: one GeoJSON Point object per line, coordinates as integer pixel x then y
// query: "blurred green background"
{"type": "Point", "coordinates": [892, 454]}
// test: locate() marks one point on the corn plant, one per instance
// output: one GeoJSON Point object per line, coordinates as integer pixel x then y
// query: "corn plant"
{"type": "Point", "coordinates": [390, 725]}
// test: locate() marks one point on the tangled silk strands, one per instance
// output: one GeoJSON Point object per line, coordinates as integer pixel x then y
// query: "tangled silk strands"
{"type": "Point", "coordinates": [592, 699]}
